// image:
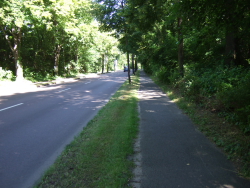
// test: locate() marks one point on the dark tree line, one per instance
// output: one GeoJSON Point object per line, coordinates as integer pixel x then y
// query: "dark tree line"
{"type": "Point", "coordinates": [201, 47]}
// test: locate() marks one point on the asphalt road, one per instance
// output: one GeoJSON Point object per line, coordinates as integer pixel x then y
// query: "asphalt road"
{"type": "Point", "coordinates": [36, 126]}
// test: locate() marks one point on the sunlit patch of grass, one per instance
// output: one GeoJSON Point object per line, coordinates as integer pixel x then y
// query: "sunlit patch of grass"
{"type": "Point", "coordinates": [98, 157]}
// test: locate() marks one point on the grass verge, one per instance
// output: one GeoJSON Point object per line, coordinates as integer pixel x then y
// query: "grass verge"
{"type": "Point", "coordinates": [228, 137]}
{"type": "Point", "coordinates": [98, 157]}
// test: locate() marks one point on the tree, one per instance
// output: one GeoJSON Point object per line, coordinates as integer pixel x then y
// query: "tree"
{"type": "Point", "coordinates": [48, 32]}
{"type": "Point", "coordinates": [67, 22]}
{"type": "Point", "coordinates": [15, 16]}
{"type": "Point", "coordinates": [112, 16]}
{"type": "Point", "coordinates": [148, 16]}
{"type": "Point", "coordinates": [229, 17]}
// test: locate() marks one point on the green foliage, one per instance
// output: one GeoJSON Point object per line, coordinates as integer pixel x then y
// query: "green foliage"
{"type": "Point", "coordinates": [52, 33]}
{"type": "Point", "coordinates": [219, 89]}
{"type": "Point", "coordinates": [5, 74]}
{"type": "Point", "coordinates": [237, 99]}
{"type": "Point", "coordinates": [35, 76]}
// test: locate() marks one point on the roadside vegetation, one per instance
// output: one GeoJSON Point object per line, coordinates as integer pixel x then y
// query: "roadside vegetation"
{"type": "Point", "coordinates": [99, 156]}
{"type": "Point", "coordinates": [214, 110]}
{"type": "Point", "coordinates": [42, 39]}
{"type": "Point", "coordinates": [200, 50]}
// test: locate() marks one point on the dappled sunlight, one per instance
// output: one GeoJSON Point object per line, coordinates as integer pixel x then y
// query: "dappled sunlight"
{"type": "Point", "coordinates": [151, 111]}
{"type": "Point", "coordinates": [124, 97]}
{"type": "Point", "coordinates": [65, 96]}
{"type": "Point", "coordinates": [76, 98]}
{"type": "Point", "coordinates": [151, 95]}
{"type": "Point", "coordinates": [111, 79]}
{"type": "Point", "coordinates": [63, 80]}
{"type": "Point", "coordinates": [97, 101]}
{"type": "Point", "coordinates": [226, 186]}
{"type": "Point", "coordinates": [9, 88]}
{"type": "Point", "coordinates": [83, 98]}
{"type": "Point", "coordinates": [176, 100]}
{"type": "Point", "coordinates": [12, 88]}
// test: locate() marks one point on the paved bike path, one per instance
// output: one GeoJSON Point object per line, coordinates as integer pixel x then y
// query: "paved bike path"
{"type": "Point", "coordinates": [174, 153]}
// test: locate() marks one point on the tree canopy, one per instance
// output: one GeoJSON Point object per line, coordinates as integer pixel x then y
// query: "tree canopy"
{"type": "Point", "coordinates": [52, 37]}
{"type": "Point", "coordinates": [201, 47]}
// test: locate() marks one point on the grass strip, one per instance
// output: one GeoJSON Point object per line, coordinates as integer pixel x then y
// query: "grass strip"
{"type": "Point", "coordinates": [98, 157]}
{"type": "Point", "coordinates": [228, 137]}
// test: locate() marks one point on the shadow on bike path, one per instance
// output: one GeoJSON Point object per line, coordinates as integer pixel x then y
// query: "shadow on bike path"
{"type": "Point", "coordinates": [174, 153]}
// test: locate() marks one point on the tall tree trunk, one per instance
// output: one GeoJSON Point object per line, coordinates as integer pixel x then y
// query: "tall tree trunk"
{"type": "Point", "coordinates": [115, 64]}
{"type": "Point", "coordinates": [180, 48]}
{"type": "Point", "coordinates": [77, 59]}
{"type": "Point", "coordinates": [133, 63]}
{"type": "Point", "coordinates": [17, 36]}
{"type": "Point", "coordinates": [102, 63]}
{"type": "Point", "coordinates": [239, 57]}
{"type": "Point", "coordinates": [230, 54]}
{"type": "Point", "coordinates": [136, 66]}
{"type": "Point", "coordinates": [107, 63]}
{"type": "Point", "coordinates": [233, 55]}
{"type": "Point", "coordinates": [16, 52]}
{"type": "Point", "coordinates": [57, 57]}
{"type": "Point", "coordinates": [129, 78]}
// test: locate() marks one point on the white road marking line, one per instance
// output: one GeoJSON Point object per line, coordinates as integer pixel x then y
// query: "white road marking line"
{"type": "Point", "coordinates": [63, 90]}
{"type": "Point", "coordinates": [10, 107]}
{"type": "Point", "coordinates": [87, 82]}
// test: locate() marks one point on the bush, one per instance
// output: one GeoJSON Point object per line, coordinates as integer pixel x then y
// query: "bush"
{"type": "Point", "coordinates": [5, 74]}
{"type": "Point", "coordinates": [237, 99]}
{"type": "Point", "coordinates": [163, 74]}
{"type": "Point", "coordinates": [35, 76]}
{"type": "Point", "coordinates": [222, 89]}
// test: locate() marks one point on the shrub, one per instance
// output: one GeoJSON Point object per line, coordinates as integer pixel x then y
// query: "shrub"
{"type": "Point", "coordinates": [163, 74]}
{"type": "Point", "coordinates": [5, 74]}
{"type": "Point", "coordinates": [237, 99]}
{"type": "Point", "coordinates": [35, 76]}
{"type": "Point", "coordinates": [223, 89]}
